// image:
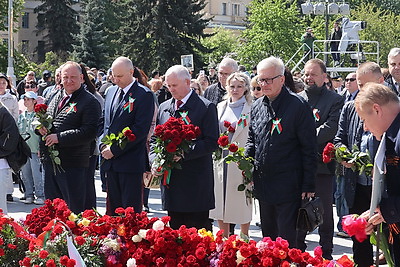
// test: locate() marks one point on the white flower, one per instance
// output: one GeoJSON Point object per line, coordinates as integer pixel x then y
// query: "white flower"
{"type": "Point", "coordinates": [142, 233]}
{"type": "Point", "coordinates": [239, 257]}
{"type": "Point", "coordinates": [158, 225]}
{"type": "Point", "coordinates": [131, 263]}
{"type": "Point", "coordinates": [137, 238]}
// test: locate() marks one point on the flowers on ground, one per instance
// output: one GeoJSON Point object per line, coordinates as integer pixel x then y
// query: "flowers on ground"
{"type": "Point", "coordinates": [361, 160]}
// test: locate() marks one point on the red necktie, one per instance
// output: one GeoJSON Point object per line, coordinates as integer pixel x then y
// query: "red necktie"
{"type": "Point", "coordinates": [178, 103]}
{"type": "Point", "coordinates": [62, 102]}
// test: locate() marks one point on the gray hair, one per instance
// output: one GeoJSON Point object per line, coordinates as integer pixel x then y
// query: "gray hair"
{"type": "Point", "coordinates": [229, 62]}
{"type": "Point", "coordinates": [123, 60]}
{"type": "Point", "coordinates": [180, 71]}
{"type": "Point", "coordinates": [274, 62]}
{"type": "Point", "coordinates": [394, 52]}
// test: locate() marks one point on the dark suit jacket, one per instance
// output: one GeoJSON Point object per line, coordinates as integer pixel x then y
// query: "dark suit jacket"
{"type": "Point", "coordinates": [284, 163]}
{"type": "Point", "coordinates": [75, 129]}
{"type": "Point", "coordinates": [133, 157]}
{"type": "Point", "coordinates": [191, 189]}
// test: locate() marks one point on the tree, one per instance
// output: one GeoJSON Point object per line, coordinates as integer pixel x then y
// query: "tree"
{"type": "Point", "coordinates": [91, 41]}
{"type": "Point", "coordinates": [222, 43]}
{"type": "Point", "coordinates": [58, 20]}
{"type": "Point", "coordinates": [390, 5]}
{"type": "Point", "coordinates": [382, 26]}
{"type": "Point", "coordinates": [18, 5]}
{"type": "Point", "coordinates": [274, 28]}
{"type": "Point", "coordinates": [156, 33]}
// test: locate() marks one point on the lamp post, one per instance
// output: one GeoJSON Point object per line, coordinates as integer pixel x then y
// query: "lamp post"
{"type": "Point", "coordinates": [10, 68]}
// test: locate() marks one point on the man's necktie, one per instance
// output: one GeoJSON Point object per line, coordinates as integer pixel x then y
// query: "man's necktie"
{"type": "Point", "coordinates": [179, 103]}
{"type": "Point", "coordinates": [349, 98]}
{"type": "Point", "coordinates": [118, 100]}
{"type": "Point", "coordinates": [62, 102]}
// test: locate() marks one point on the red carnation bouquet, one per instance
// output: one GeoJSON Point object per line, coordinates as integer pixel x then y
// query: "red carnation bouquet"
{"type": "Point", "coordinates": [173, 139]}
{"type": "Point", "coordinates": [121, 138]}
{"type": "Point", "coordinates": [361, 160]}
{"type": "Point", "coordinates": [44, 120]}
{"type": "Point", "coordinates": [245, 164]}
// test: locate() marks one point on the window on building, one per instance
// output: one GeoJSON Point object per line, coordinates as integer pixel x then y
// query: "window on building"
{"type": "Point", "coordinates": [235, 10]}
{"type": "Point", "coordinates": [224, 9]}
{"type": "Point", "coordinates": [25, 20]}
{"type": "Point", "coordinates": [25, 46]}
{"type": "Point", "coordinates": [40, 51]}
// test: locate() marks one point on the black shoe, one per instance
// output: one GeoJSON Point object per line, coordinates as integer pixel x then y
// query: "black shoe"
{"type": "Point", "coordinates": [327, 255]}
{"type": "Point", "coordinates": [146, 209]}
{"type": "Point", "coordinates": [10, 198]}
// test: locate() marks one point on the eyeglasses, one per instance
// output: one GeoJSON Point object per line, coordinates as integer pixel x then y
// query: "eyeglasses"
{"type": "Point", "coordinates": [257, 88]}
{"type": "Point", "coordinates": [349, 79]}
{"type": "Point", "coordinates": [268, 80]}
{"type": "Point", "coordinates": [30, 86]}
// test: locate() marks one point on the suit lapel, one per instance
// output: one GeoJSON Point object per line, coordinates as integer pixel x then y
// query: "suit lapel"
{"type": "Point", "coordinates": [244, 115]}
{"type": "Point", "coordinates": [118, 112]}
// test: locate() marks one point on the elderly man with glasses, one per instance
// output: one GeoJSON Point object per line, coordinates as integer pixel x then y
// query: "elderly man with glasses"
{"type": "Point", "coordinates": [282, 141]}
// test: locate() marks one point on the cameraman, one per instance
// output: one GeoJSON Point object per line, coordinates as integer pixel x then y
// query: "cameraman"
{"type": "Point", "coordinates": [308, 38]}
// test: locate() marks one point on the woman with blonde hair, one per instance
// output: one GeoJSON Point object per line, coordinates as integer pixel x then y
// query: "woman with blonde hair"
{"type": "Point", "coordinates": [231, 205]}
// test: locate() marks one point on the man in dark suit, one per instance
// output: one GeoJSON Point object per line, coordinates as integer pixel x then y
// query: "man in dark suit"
{"type": "Point", "coordinates": [282, 142]}
{"type": "Point", "coordinates": [393, 81]}
{"type": "Point", "coordinates": [326, 106]}
{"type": "Point", "coordinates": [128, 104]}
{"type": "Point", "coordinates": [76, 114]}
{"type": "Point", "coordinates": [190, 194]}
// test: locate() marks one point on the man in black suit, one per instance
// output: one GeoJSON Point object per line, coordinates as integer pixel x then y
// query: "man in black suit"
{"type": "Point", "coordinates": [128, 104]}
{"type": "Point", "coordinates": [282, 141]}
{"type": "Point", "coordinates": [190, 194]}
{"type": "Point", "coordinates": [393, 81]}
{"type": "Point", "coordinates": [76, 114]}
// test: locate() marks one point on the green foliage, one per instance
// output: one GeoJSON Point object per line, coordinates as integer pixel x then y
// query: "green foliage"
{"type": "Point", "coordinates": [17, 7]}
{"type": "Point", "coordinates": [21, 64]}
{"type": "Point", "coordinates": [59, 20]}
{"type": "Point", "coordinates": [221, 43]}
{"type": "Point", "coordinates": [51, 63]}
{"type": "Point", "coordinates": [160, 32]}
{"type": "Point", "coordinates": [389, 5]}
{"type": "Point", "coordinates": [91, 41]}
{"type": "Point", "coordinates": [275, 29]}
{"type": "Point", "coordinates": [382, 26]}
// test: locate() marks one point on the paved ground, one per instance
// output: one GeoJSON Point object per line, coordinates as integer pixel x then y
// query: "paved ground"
{"type": "Point", "coordinates": [18, 210]}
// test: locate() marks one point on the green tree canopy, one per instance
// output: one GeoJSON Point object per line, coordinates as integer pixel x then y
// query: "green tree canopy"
{"type": "Point", "coordinates": [58, 20]}
{"type": "Point", "coordinates": [91, 41]}
{"type": "Point", "coordinates": [275, 28]}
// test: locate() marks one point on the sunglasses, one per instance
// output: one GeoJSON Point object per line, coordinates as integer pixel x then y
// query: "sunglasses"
{"type": "Point", "coordinates": [257, 88]}
{"type": "Point", "coordinates": [349, 79]}
{"type": "Point", "coordinates": [30, 86]}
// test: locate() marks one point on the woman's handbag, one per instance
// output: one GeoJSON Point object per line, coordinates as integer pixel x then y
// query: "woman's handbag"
{"type": "Point", "coordinates": [310, 214]}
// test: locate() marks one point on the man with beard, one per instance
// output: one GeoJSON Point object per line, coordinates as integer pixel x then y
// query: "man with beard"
{"type": "Point", "coordinates": [326, 107]}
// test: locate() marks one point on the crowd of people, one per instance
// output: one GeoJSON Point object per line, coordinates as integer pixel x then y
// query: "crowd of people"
{"type": "Point", "coordinates": [283, 121]}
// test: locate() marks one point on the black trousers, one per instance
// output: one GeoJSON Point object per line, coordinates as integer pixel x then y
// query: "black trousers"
{"type": "Point", "coordinates": [362, 251]}
{"type": "Point", "coordinates": [190, 219]}
{"type": "Point", "coordinates": [280, 221]}
{"type": "Point", "coordinates": [124, 190]}
{"type": "Point", "coordinates": [90, 201]}
{"type": "Point", "coordinates": [69, 185]}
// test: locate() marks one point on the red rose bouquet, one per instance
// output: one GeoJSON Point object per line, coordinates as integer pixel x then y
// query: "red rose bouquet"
{"type": "Point", "coordinates": [361, 161]}
{"type": "Point", "coordinates": [245, 164]}
{"type": "Point", "coordinates": [44, 120]}
{"type": "Point", "coordinates": [173, 139]}
{"type": "Point", "coordinates": [121, 138]}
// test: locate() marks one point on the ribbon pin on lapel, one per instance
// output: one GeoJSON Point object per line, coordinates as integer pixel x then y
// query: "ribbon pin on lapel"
{"type": "Point", "coordinates": [185, 117]}
{"type": "Point", "coordinates": [316, 114]}
{"type": "Point", "coordinates": [276, 124]}
{"type": "Point", "coordinates": [71, 108]}
{"type": "Point", "coordinates": [243, 120]}
{"type": "Point", "coordinates": [129, 105]}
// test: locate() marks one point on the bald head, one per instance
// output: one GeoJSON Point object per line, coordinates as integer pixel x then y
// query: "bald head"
{"type": "Point", "coordinates": [122, 71]}
{"type": "Point", "coordinates": [369, 72]}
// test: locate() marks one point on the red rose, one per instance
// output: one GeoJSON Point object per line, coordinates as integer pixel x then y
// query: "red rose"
{"type": "Point", "coordinates": [64, 260]}
{"type": "Point", "coordinates": [200, 253]}
{"type": "Point", "coordinates": [80, 240]}
{"type": "Point", "coordinates": [197, 131]}
{"type": "Point", "coordinates": [158, 130]}
{"type": "Point", "coordinates": [50, 263]}
{"type": "Point", "coordinates": [171, 147]}
{"type": "Point", "coordinates": [43, 254]}
{"type": "Point", "coordinates": [120, 210]}
{"type": "Point", "coordinates": [11, 246]}
{"type": "Point", "coordinates": [190, 135]}
{"type": "Point", "coordinates": [223, 141]}
{"type": "Point", "coordinates": [233, 148]}
{"type": "Point", "coordinates": [71, 263]}
{"type": "Point", "coordinates": [1, 241]}
{"type": "Point", "coordinates": [176, 141]}
{"type": "Point", "coordinates": [1, 252]}
{"type": "Point", "coordinates": [131, 137]}
{"type": "Point", "coordinates": [40, 108]}
{"type": "Point", "coordinates": [127, 132]}
{"type": "Point", "coordinates": [227, 124]}
{"type": "Point", "coordinates": [328, 153]}
{"type": "Point", "coordinates": [26, 261]}
{"type": "Point", "coordinates": [231, 129]}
